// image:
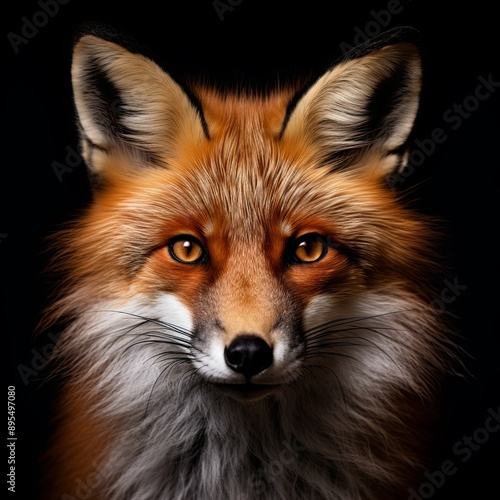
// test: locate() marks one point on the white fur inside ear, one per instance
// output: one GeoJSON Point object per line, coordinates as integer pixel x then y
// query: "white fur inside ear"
{"type": "Point", "coordinates": [363, 104]}
{"type": "Point", "coordinates": [389, 164]}
{"type": "Point", "coordinates": [127, 104]}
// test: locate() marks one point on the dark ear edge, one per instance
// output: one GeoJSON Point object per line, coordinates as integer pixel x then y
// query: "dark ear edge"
{"type": "Point", "coordinates": [389, 37]}
{"type": "Point", "coordinates": [107, 32]}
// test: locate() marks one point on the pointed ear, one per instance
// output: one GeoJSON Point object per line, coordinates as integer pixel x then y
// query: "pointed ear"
{"type": "Point", "coordinates": [128, 106]}
{"type": "Point", "coordinates": [364, 105]}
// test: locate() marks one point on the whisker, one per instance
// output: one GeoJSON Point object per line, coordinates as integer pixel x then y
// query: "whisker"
{"type": "Point", "coordinates": [327, 368]}
{"type": "Point", "coordinates": [160, 340]}
{"type": "Point", "coordinates": [328, 331]}
{"type": "Point", "coordinates": [335, 343]}
{"type": "Point", "coordinates": [354, 319]}
{"type": "Point", "coordinates": [166, 334]}
{"type": "Point", "coordinates": [330, 354]}
{"type": "Point", "coordinates": [167, 356]}
{"type": "Point", "coordinates": [164, 371]}
{"type": "Point", "coordinates": [170, 326]}
{"type": "Point", "coordinates": [328, 338]}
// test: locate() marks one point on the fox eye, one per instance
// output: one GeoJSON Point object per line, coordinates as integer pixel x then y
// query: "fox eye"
{"type": "Point", "coordinates": [186, 249]}
{"type": "Point", "coordinates": [309, 248]}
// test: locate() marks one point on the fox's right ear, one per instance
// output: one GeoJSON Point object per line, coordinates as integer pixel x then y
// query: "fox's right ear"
{"type": "Point", "coordinates": [128, 107]}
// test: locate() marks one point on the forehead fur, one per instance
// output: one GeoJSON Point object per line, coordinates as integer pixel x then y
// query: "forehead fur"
{"type": "Point", "coordinates": [241, 167]}
{"type": "Point", "coordinates": [244, 178]}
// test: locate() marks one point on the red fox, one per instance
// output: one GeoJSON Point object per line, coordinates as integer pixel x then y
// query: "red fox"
{"type": "Point", "coordinates": [246, 300]}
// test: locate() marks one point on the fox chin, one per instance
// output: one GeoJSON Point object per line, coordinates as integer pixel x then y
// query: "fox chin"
{"type": "Point", "coordinates": [246, 301]}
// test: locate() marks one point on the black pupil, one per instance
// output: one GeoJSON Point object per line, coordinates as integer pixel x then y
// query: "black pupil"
{"type": "Point", "coordinates": [186, 250]}
{"type": "Point", "coordinates": [190, 250]}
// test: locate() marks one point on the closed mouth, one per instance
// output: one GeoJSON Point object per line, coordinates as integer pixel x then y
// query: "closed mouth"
{"type": "Point", "coordinates": [247, 392]}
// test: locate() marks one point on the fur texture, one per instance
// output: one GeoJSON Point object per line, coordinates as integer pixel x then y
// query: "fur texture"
{"type": "Point", "coordinates": [357, 350]}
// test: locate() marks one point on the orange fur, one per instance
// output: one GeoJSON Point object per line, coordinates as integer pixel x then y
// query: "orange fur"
{"type": "Point", "coordinates": [246, 176]}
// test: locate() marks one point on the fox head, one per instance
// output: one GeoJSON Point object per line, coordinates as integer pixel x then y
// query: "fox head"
{"type": "Point", "coordinates": [241, 223]}
{"type": "Point", "coordinates": [244, 277]}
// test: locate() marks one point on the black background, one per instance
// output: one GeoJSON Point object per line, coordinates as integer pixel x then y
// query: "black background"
{"type": "Point", "coordinates": [260, 43]}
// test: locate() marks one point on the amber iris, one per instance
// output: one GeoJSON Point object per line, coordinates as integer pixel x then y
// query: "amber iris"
{"type": "Point", "coordinates": [186, 249]}
{"type": "Point", "coordinates": [310, 248]}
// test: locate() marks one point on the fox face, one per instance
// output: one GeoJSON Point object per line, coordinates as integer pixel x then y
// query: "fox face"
{"type": "Point", "coordinates": [244, 277]}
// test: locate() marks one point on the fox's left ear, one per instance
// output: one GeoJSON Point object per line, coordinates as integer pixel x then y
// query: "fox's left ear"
{"type": "Point", "coordinates": [366, 104]}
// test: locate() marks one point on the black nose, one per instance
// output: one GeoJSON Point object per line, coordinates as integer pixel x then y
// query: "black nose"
{"type": "Point", "coordinates": [248, 354]}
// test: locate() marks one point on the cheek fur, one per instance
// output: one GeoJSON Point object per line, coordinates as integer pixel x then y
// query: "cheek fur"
{"type": "Point", "coordinates": [309, 280]}
{"type": "Point", "coordinates": [171, 310]}
{"type": "Point", "coordinates": [319, 310]}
